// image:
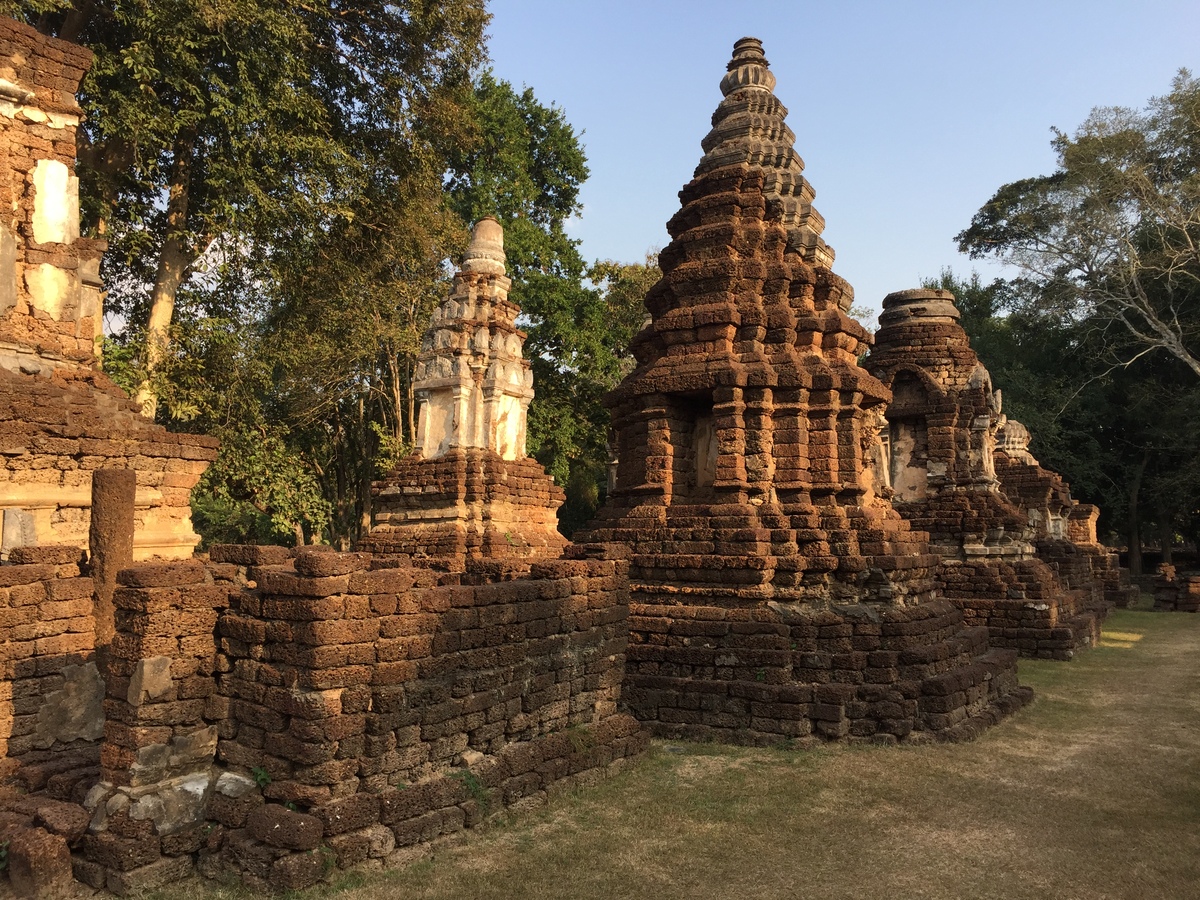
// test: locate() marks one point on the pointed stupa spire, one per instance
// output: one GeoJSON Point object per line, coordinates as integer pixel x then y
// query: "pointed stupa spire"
{"type": "Point", "coordinates": [748, 127]}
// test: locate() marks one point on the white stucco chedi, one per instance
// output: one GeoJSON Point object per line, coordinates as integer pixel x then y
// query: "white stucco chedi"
{"type": "Point", "coordinates": [471, 382]}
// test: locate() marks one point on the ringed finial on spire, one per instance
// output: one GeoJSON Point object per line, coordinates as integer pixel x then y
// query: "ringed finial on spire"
{"type": "Point", "coordinates": [748, 68]}
{"type": "Point", "coordinates": [748, 127]}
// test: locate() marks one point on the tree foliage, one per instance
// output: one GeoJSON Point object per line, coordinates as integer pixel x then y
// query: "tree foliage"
{"type": "Point", "coordinates": [1113, 236]}
{"type": "Point", "coordinates": [213, 126]}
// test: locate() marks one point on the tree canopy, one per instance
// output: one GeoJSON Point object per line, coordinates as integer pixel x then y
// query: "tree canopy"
{"type": "Point", "coordinates": [214, 127]}
{"type": "Point", "coordinates": [1112, 237]}
{"type": "Point", "coordinates": [1097, 344]}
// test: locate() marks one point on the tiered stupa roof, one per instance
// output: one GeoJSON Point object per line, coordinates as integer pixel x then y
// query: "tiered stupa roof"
{"type": "Point", "coordinates": [748, 127]}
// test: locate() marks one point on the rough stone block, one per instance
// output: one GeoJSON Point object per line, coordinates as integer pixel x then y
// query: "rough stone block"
{"type": "Point", "coordinates": [281, 827]}
{"type": "Point", "coordinates": [148, 877]}
{"type": "Point", "coordinates": [320, 562]}
{"type": "Point", "coordinates": [39, 863]}
{"type": "Point", "coordinates": [249, 555]}
{"type": "Point", "coordinates": [120, 853]}
{"type": "Point", "coordinates": [47, 554]}
{"type": "Point", "coordinates": [350, 814]}
{"type": "Point", "coordinates": [299, 870]}
{"type": "Point", "coordinates": [67, 819]}
{"type": "Point", "coordinates": [157, 575]}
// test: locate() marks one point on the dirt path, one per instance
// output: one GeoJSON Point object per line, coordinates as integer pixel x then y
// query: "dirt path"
{"type": "Point", "coordinates": [1092, 792]}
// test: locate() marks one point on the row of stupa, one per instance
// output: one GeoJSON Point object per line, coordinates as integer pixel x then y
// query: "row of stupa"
{"type": "Point", "coordinates": [791, 562]}
{"type": "Point", "coordinates": [800, 527]}
{"type": "Point", "coordinates": [794, 547]}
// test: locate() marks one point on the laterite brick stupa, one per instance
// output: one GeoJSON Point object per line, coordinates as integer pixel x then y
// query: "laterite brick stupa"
{"type": "Point", "coordinates": [774, 593]}
{"type": "Point", "coordinates": [943, 426]}
{"type": "Point", "coordinates": [469, 491]}
{"type": "Point", "coordinates": [1064, 530]}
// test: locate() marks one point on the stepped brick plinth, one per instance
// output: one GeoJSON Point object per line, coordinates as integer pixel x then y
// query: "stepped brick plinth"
{"type": "Point", "coordinates": [1033, 588]}
{"type": "Point", "coordinates": [469, 491]}
{"type": "Point", "coordinates": [774, 593]}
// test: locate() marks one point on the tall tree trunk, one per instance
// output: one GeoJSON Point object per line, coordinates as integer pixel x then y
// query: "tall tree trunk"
{"type": "Point", "coordinates": [410, 401]}
{"type": "Point", "coordinates": [338, 526]}
{"type": "Point", "coordinates": [174, 260]}
{"type": "Point", "coordinates": [1166, 536]}
{"type": "Point", "coordinates": [76, 20]}
{"type": "Point", "coordinates": [396, 389]}
{"type": "Point", "coordinates": [1135, 522]}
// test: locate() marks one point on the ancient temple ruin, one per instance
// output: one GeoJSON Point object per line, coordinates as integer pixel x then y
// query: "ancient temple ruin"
{"type": "Point", "coordinates": [1007, 559]}
{"type": "Point", "coordinates": [266, 715]}
{"type": "Point", "coordinates": [1064, 530]}
{"type": "Point", "coordinates": [271, 716]}
{"type": "Point", "coordinates": [774, 593]}
{"type": "Point", "coordinates": [470, 491]}
{"type": "Point", "coordinates": [61, 419]}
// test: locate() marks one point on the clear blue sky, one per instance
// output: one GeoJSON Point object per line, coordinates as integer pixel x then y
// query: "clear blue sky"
{"type": "Point", "coordinates": [908, 115]}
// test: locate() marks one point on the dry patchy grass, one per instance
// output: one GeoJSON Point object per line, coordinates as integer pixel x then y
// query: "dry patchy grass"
{"type": "Point", "coordinates": [1091, 792]}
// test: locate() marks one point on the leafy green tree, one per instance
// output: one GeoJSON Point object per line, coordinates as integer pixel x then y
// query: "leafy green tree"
{"type": "Point", "coordinates": [571, 418]}
{"type": "Point", "coordinates": [1110, 249]}
{"type": "Point", "coordinates": [213, 127]}
{"type": "Point", "coordinates": [1113, 236]}
{"type": "Point", "coordinates": [1121, 434]}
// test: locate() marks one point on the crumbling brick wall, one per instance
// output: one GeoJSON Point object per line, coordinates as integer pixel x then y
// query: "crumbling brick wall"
{"type": "Point", "coordinates": [1176, 592]}
{"type": "Point", "coordinates": [1024, 606]}
{"type": "Point", "coordinates": [55, 434]}
{"type": "Point", "coordinates": [50, 293]}
{"type": "Point", "coordinates": [51, 716]}
{"type": "Point", "coordinates": [1064, 530]}
{"type": "Point", "coordinates": [335, 713]}
{"type": "Point", "coordinates": [49, 682]}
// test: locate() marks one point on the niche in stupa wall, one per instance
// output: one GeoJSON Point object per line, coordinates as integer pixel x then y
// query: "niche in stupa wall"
{"type": "Point", "coordinates": [1056, 526]}
{"type": "Point", "coordinates": [694, 448]}
{"type": "Point", "coordinates": [506, 434]}
{"type": "Point", "coordinates": [909, 450]}
{"type": "Point", "coordinates": [435, 422]}
{"type": "Point", "coordinates": [908, 438]}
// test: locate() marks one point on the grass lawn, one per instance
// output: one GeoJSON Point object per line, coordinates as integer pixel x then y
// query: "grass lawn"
{"type": "Point", "coordinates": [1093, 791]}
